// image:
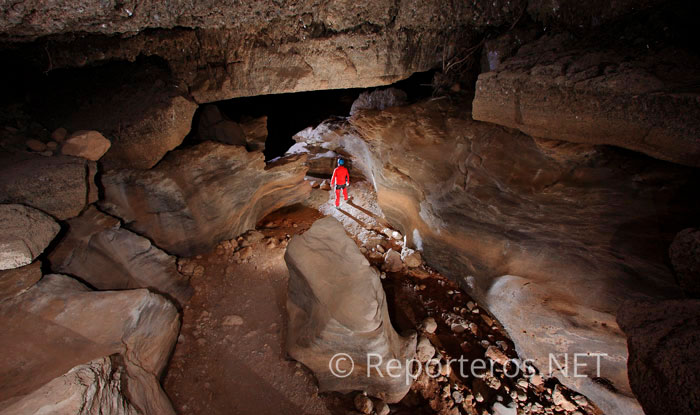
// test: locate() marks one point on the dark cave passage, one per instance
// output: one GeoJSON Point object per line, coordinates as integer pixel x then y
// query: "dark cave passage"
{"type": "Point", "coordinates": [287, 114]}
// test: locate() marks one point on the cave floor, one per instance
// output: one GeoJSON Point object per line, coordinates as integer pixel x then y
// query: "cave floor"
{"type": "Point", "coordinates": [230, 357]}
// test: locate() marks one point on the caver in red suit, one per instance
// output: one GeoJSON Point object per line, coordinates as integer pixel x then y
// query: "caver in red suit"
{"type": "Point", "coordinates": [341, 180]}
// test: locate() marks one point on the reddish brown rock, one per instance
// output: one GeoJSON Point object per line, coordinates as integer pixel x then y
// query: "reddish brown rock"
{"type": "Point", "coordinates": [15, 281]}
{"type": "Point", "coordinates": [98, 251]}
{"type": "Point", "coordinates": [562, 88]}
{"type": "Point", "coordinates": [59, 134]}
{"type": "Point", "coordinates": [202, 195]}
{"type": "Point", "coordinates": [61, 185]}
{"type": "Point", "coordinates": [36, 145]}
{"type": "Point", "coordinates": [59, 324]}
{"type": "Point", "coordinates": [89, 145]}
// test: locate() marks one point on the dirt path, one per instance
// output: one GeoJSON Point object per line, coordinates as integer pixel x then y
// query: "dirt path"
{"type": "Point", "coordinates": [230, 357]}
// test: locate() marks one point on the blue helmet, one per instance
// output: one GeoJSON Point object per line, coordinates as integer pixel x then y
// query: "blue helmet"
{"type": "Point", "coordinates": [341, 162]}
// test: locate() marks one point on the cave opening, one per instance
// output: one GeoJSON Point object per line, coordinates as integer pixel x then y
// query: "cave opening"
{"type": "Point", "coordinates": [288, 114]}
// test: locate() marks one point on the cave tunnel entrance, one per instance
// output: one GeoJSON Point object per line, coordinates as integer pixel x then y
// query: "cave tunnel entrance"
{"type": "Point", "coordinates": [287, 114]}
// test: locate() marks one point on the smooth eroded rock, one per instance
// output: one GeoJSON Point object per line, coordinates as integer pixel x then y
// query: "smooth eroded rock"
{"type": "Point", "coordinates": [101, 253]}
{"type": "Point", "coordinates": [199, 196]}
{"type": "Point", "coordinates": [60, 185]}
{"type": "Point", "coordinates": [24, 234]}
{"type": "Point", "coordinates": [59, 324]}
{"type": "Point", "coordinates": [336, 304]}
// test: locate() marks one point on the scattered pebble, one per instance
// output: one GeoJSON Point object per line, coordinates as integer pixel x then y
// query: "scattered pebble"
{"type": "Point", "coordinates": [429, 325]}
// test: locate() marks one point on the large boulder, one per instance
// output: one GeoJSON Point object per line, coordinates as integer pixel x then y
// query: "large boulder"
{"type": "Point", "coordinates": [562, 88]}
{"type": "Point", "coordinates": [88, 389]}
{"type": "Point", "coordinates": [60, 185]}
{"type": "Point", "coordinates": [685, 257]}
{"type": "Point", "coordinates": [97, 250]}
{"type": "Point", "coordinates": [199, 196]}
{"type": "Point", "coordinates": [59, 324]}
{"type": "Point", "coordinates": [24, 234]}
{"type": "Point", "coordinates": [483, 202]}
{"type": "Point", "coordinates": [664, 367]}
{"type": "Point", "coordinates": [336, 304]}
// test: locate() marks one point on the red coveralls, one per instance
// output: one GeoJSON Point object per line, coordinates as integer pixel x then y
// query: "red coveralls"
{"type": "Point", "coordinates": [341, 177]}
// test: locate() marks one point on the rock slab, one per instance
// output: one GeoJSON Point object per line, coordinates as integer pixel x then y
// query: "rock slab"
{"type": "Point", "coordinates": [336, 304]}
{"type": "Point", "coordinates": [59, 324]}
{"type": "Point", "coordinates": [559, 89]}
{"type": "Point", "coordinates": [101, 253]}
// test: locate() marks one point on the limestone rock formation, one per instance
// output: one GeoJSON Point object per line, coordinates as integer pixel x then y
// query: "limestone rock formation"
{"type": "Point", "coordinates": [59, 324]}
{"type": "Point", "coordinates": [60, 185]}
{"type": "Point", "coordinates": [98, 251]}
{"type": "Point", "coordinates": [15, 281]}
{"type": "Point", "coordinates": [92, 388]}
{"type": "Point", "coordinates": [562, 88]}
{"type": "Point", "coordinates": [685, 257]}
{"type": "Point", "coordinates": [259, 47]}
{"type": "Point", "coordinates": [89, 145]}
{"type": "Point", "coordinates": [199, 196]}
{"type": "Point", "coordinates": [24, 234]}
{"type": "Point", "coordinates": [336, 304]}
{"type": "Point", "coordinates": [484, 202]}
{"type": "Point", "coordinates": [664, 367]}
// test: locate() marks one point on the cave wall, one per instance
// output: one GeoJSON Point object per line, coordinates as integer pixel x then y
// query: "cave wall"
{"type": "Point", "coordinates": [550, 236]}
